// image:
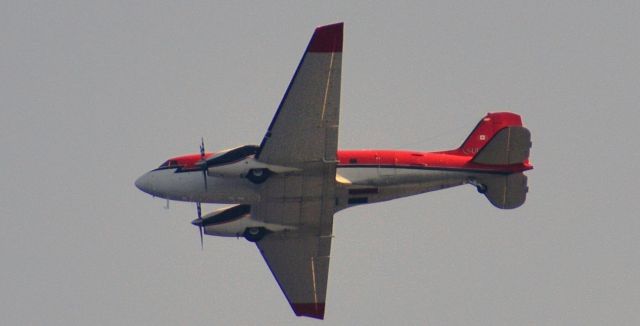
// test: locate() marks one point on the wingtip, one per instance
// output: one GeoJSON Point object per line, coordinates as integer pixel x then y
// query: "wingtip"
{"type": "Point", "coordinates": [337, 26]}
{"type": "Point", "coordinates": [313, 310]}
{"type": "Point", "coordinates": [327, 38]}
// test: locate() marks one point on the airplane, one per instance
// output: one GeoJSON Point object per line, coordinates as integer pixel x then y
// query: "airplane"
{"type": "Point", "coordinates": [285, 191]}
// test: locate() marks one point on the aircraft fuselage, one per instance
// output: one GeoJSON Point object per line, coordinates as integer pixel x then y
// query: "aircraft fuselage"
{"type": "Point", "coordinates": [363, 177]}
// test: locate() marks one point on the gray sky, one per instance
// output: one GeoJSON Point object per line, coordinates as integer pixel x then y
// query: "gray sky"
{"type": "Point", "coordinates": [95, 94]}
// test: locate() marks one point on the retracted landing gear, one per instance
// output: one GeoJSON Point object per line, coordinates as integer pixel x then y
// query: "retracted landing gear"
{"type": "Point", "coordinates": [481, 188]}
{"type": "Point", "coordinates": [258, 176]}
{"type": "Point", "coordinates": [255, 234]}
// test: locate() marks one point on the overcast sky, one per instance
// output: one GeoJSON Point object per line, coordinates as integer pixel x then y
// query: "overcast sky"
{"type": "Point", "coordinates": [94, 94]}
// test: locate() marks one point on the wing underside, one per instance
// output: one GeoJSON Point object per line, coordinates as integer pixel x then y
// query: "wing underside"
{"type": "Point", "coordinates": [304, 134]}
{"type": "Point", "coordinates": [299, 259]}
{"type": "Point", "coordinates": [305, 126]}
{"type": "Point", "coordinates": [302, 271]}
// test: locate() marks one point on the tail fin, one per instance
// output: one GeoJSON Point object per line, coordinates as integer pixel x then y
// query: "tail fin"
{"type": "Point", "coordinates": [498, 139]}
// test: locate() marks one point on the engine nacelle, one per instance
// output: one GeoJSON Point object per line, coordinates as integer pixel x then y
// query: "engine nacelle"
{"type": "Point", "coordinates": [239, 162]}
{"type": "Point", "coordinates": [233, 222]}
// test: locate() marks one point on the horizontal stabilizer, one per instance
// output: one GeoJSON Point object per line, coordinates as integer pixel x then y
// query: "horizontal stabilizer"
{"type": "Point", "coordinates": [508, 146]}
{"type": "Point", "coordinates": [505, 191]}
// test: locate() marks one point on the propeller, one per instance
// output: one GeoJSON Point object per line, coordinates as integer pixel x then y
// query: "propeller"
{"type": "Point", "coordinates": [204, 164]}
{"type": "Point", "coordinates": [198, 206]}
{"type": "Point", "coordinates": [200, 224]}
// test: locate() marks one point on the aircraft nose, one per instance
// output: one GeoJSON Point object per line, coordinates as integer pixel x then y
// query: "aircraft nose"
{"type": "Point", "coordinates": [144, 183]}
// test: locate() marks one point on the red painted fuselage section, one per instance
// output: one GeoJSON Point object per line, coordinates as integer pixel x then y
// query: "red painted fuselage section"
{"type": "Point", "coordinates": [446, 160]}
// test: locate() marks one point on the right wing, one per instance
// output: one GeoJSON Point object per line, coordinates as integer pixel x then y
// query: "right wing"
{"type": "Point", "coordinates": [299, 262]}
{"type": "Point", "coordinates": [305, 126]}
{"type": "Point", "coordinates": [299, 259]}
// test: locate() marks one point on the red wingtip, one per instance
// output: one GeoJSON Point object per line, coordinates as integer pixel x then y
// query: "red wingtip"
{"type": "Point", "coordinates": [313, 310]}
{"type": "Point", "coordinates": [327, 38]}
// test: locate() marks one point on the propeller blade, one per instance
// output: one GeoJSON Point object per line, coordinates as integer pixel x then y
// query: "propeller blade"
{"type": "Point", "coordinates": [204, 164]}
{"type": "Point", "coordinates": [201, 239]}
{"type": "Point", "coordinates": [199, 208]}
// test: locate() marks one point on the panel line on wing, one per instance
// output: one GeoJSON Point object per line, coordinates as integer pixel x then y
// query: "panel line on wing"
{"type": "Point", "coordinates": [313, 277]}
{"type": "Point", "coordinates": [326, 89]}
{"type": "Point", "coordinates": [324, 102]}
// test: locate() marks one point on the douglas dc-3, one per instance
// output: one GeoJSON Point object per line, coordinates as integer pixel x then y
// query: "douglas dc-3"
{"type": "Point", "coordinates": [285, 191]}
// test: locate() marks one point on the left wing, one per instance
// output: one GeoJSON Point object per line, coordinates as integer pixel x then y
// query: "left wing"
{"type": "Point", "coordinates": [305, 126]}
